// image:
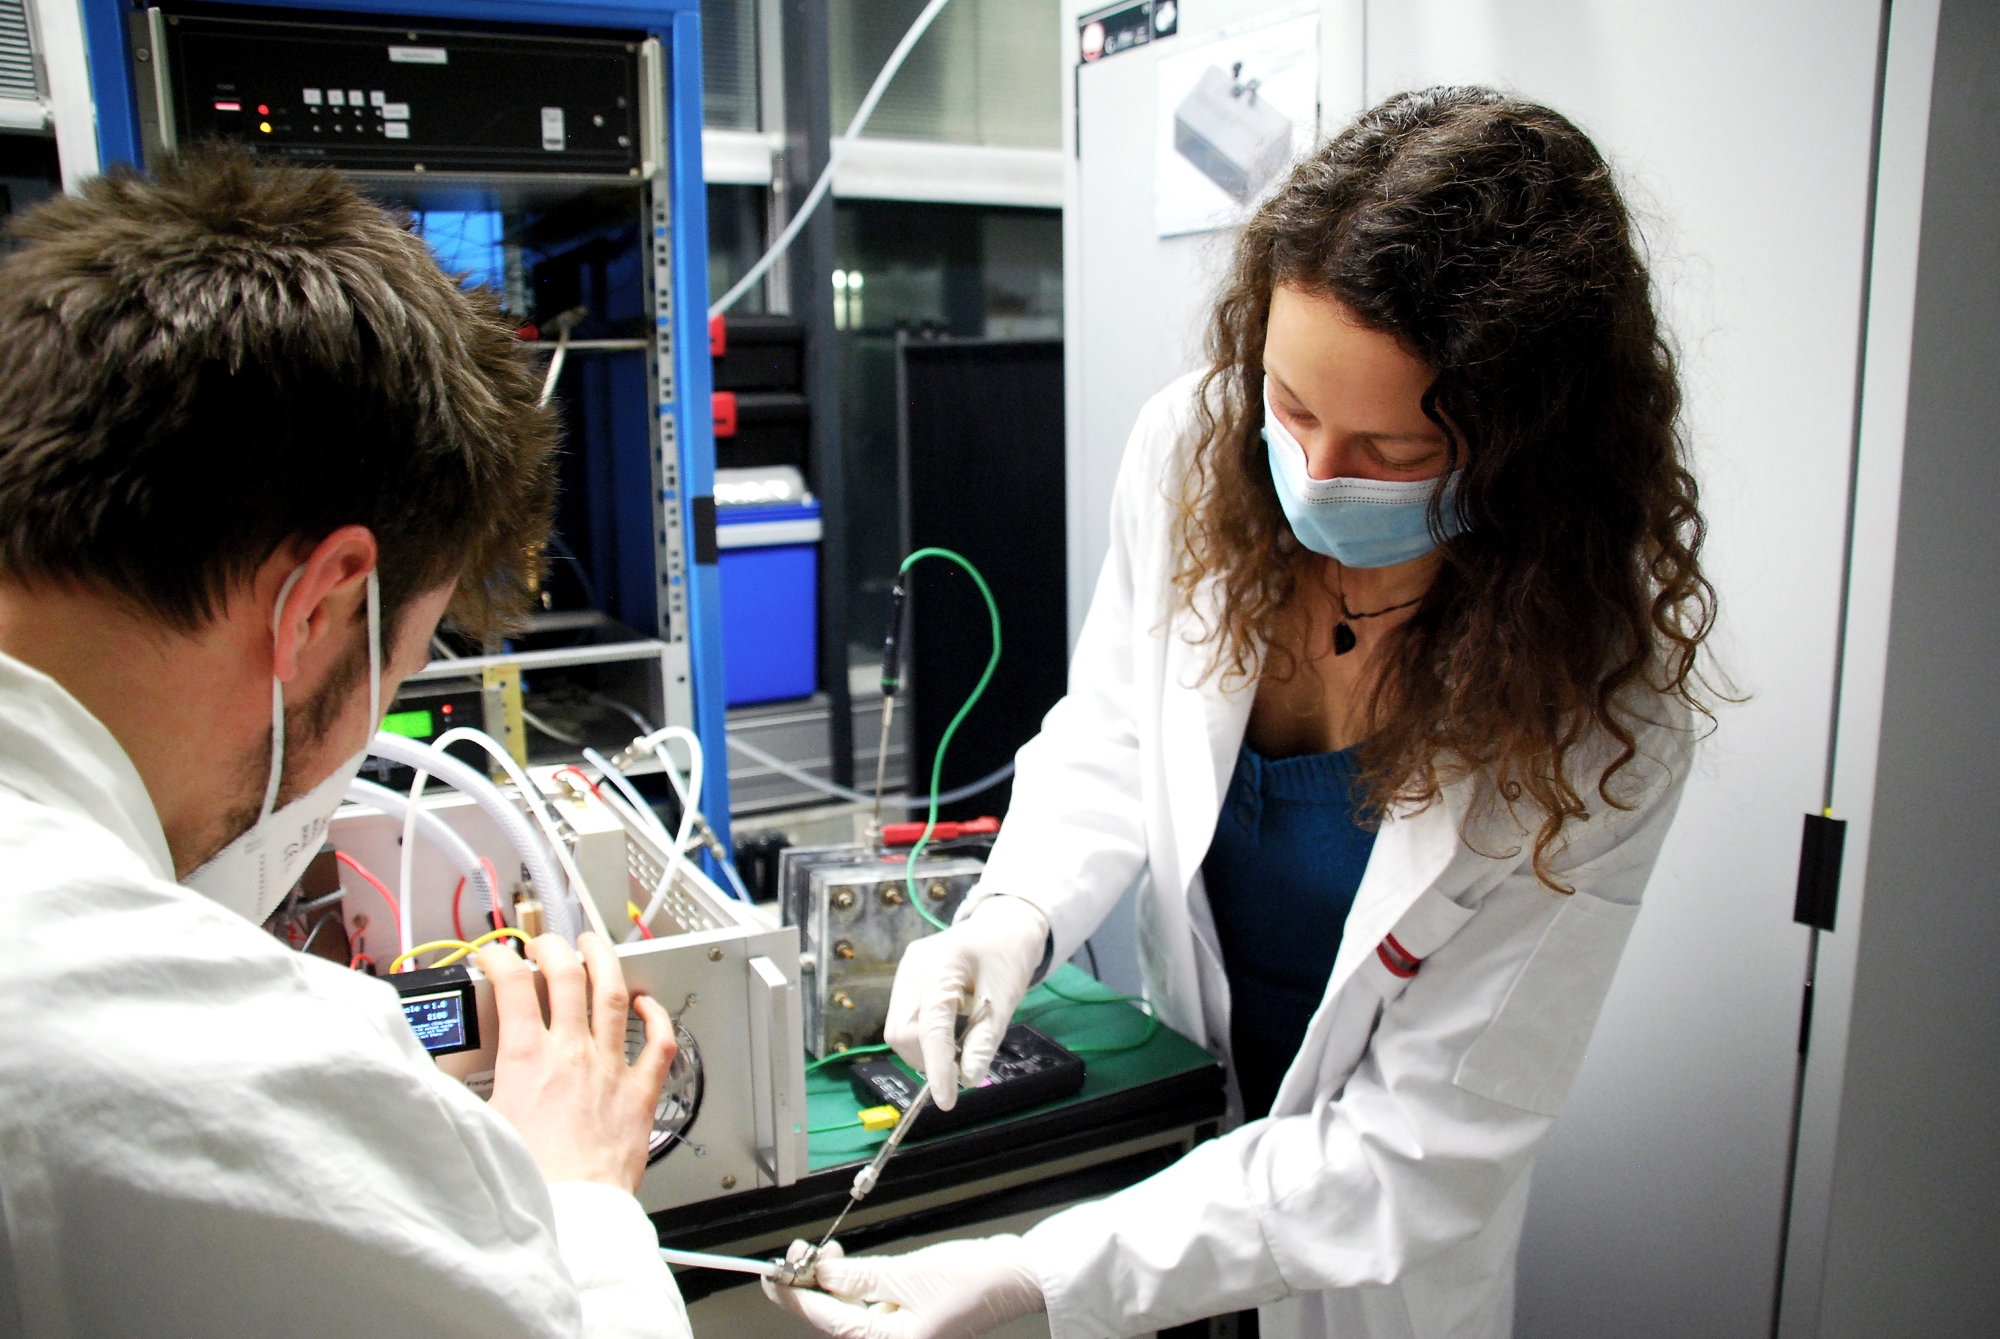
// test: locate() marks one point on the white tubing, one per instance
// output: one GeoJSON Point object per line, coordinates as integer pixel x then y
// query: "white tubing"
{"type": "Point", "coordinates": [687, 793]}
{"type": "Point", "coordinates": [536, 802]}
{"type": "Point", "coordinates": [623, 785]}
{"type": "Point", "coordinates": [406, 864]}
{"type": "Point", "coordinates": [456, 849]}
{"type": "Point", "coordinates": [839, 151]}
{"type": "Point", "coordinates": [821, 784]}
{"type": "Point", "coordinates": [549, 884]}
{"type": "Point", "coordinates": [645, 815]}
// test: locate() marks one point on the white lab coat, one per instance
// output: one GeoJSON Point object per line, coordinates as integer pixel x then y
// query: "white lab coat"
{"type": "Point", "coordinates": [1384, 1194]}
{"type": "Point", "coordinates": [205, 1133]}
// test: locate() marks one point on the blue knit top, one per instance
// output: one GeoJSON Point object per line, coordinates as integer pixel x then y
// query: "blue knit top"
{"type": "Point", "coordinates": [1281, 872]}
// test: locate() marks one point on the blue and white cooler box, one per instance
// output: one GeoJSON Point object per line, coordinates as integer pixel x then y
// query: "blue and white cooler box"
{"type": "Point", "coordinates": [767, 531]}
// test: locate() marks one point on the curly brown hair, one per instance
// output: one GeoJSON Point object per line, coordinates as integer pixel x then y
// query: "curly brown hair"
{"type": "Point", "coordinates": [198, 368]}
{"type": "Point", "coordinates": [1486, 235]}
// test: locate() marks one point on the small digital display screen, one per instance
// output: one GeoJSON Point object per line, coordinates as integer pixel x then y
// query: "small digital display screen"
{"type": "Point", "coordinates": [438, 1020]}
{"type": "Point", "coordinates": [412, 724]}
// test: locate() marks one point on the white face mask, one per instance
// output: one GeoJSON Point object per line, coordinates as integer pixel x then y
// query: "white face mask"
{"type": "Point", "coordinates": [252, 874]}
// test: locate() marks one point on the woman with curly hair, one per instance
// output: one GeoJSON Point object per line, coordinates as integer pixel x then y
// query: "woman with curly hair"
{"type": "Point", "coordinates": [1383, 705]}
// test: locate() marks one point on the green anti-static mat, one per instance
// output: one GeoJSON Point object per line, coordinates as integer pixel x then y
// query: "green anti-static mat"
{"type": "Point", "coordinates": [1100, 1032]}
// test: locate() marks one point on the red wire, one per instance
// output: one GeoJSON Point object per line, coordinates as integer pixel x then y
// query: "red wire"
{"type": "Point", "coordinates": [581, 777]}
{"type": "Point", "coordinates": [358, 959]}
{"type": "Point", "coordinates": [375, 883]}
{"type": "Point", "coordinates": [644, 933]}
{"type": "Point", "coordinates": [493, 891]}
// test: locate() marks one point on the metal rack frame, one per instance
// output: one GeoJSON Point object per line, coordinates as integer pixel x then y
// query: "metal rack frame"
{"type": "Point", "coordinates": [676, 209]}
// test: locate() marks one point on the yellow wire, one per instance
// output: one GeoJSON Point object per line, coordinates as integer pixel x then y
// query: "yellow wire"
{"type": "Point", "coordinates": [504, 932]}
{"type": "Point", "coordinates": [461, 948]}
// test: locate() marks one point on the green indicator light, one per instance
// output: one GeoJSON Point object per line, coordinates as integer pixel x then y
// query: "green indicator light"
{"type": "Point", "coordinates": [414, 724]}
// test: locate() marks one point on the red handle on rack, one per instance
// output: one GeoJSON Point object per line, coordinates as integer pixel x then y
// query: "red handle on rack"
{"type": "Point", "coordinates": [722, 410]}
{"type": "Point", "coordinates": [907, 834]}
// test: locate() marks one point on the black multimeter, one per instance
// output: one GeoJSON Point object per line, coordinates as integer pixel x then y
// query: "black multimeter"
{"type": "Point", "coordinates": [1027, 1070]}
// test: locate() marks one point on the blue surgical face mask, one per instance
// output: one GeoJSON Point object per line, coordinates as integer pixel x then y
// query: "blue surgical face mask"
{"type": "Point", "coordinates": [1357, 522]}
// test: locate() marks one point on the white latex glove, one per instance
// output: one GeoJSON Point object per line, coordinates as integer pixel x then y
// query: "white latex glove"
{"type": "Point", "coordinates": [953, 1290]}
{"type": "Point", "coordinates": [988, 958]}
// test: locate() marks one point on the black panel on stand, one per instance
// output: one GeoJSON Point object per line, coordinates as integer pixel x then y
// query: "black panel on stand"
{"type": "Point", "coordinates": [982, 430]}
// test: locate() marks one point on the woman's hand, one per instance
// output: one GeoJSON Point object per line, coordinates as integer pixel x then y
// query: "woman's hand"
{"type": "Point", "coordinates": [988, 958]}
{"type": "Point", "coordinates": [954, 1290]}
{"type": "Point", "coordinates": [586, 1115]}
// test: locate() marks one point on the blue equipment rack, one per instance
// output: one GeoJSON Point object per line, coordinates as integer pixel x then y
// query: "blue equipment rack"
{"type": "Point", "coordinates": [689, 619]}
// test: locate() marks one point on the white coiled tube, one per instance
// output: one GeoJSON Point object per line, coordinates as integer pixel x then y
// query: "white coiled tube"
{"type": "Point", "coordinates": [550, 886]}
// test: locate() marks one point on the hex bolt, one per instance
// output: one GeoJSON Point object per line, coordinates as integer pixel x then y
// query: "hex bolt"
{"type": "Point", "coordinates": [843, 899]}
{"type": "Point", "coordinates": [729, 1183]}
{"type": "Point", "coordinates": [843, 1000]}
{"type": "Point", "coordinates": [892, 894]}
{"type": "Point", "coordinates": [842, 949]}
{"type": "Point", "coordinates": [938, 892]}
{"type": "Point", "coordinates": [843, 1041]}
{"type": "Point", "coordinates": [715, 954]}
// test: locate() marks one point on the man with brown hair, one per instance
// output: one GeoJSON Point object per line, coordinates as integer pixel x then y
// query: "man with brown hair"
{"type": "Point", "coordinates": [253, 444]}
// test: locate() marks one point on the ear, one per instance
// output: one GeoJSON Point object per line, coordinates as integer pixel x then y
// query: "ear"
{"type": "Point", "coordinates": [331, 585]}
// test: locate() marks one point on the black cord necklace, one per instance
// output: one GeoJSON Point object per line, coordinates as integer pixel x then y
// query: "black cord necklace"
{"type": "Point", "coordinates": [1343, 636]}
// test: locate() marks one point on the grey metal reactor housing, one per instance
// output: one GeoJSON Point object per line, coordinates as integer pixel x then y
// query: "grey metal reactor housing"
{"type": "Point", "coordinates": [852, 909]}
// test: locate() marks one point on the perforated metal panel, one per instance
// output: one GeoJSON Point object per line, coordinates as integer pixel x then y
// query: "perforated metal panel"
{"type": "Point", "coordinates": [17, 54]}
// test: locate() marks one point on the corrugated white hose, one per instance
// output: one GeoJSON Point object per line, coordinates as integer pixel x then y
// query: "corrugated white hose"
{"type": "Point", "coordinates": [534, 800]}
{"type": "Point", "coordinates": [686, 793]}
{"type": "Point", "coordinates": [527, 842]}
{"type": "Point", "coordinates": [397, 806]}
{"type": "Point", "coordinates": [839, 151]}
{"type": "Point", "coordinates": [406, 864]}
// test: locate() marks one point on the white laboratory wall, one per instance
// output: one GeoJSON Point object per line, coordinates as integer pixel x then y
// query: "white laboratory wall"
{"type": "Point", "coordinates": [1742, 134]}
{"type": "Point", "coordinates": [1137, 304]}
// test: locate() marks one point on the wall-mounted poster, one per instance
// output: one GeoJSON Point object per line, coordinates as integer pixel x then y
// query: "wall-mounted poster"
{"type": "Point", "coordinates": [1235, 111]}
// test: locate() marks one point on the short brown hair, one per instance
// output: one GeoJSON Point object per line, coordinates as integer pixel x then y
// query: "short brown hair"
{"type": "Point", "coordinates": [197, 368]}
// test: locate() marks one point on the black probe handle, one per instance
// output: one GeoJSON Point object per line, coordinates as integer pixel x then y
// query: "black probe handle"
{"type": "Point", "coordinates": [892, 642]}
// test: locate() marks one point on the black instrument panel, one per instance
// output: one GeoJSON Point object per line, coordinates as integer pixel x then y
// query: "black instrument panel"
{"type": "Point", "coordinates": [408, 99]}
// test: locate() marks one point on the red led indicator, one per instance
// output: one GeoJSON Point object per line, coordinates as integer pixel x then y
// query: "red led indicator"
{"type": "Point", "coordinates": [446, 708]}
{"type": "Point", "coordinates": [262, 110]}
{"type": "Point", "coordinates": [229, 106]}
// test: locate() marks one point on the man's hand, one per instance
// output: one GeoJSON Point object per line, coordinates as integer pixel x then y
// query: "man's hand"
{"type": "Point", "coordinates": [990, 957]}
{"type": "Point", "coordinates": [953, 1290]}
{"type": "Point", "coordinates": [564, 1084]}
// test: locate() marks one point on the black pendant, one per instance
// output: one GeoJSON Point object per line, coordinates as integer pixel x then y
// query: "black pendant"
{"type": "Point", "coordinates": [1343, 639]}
